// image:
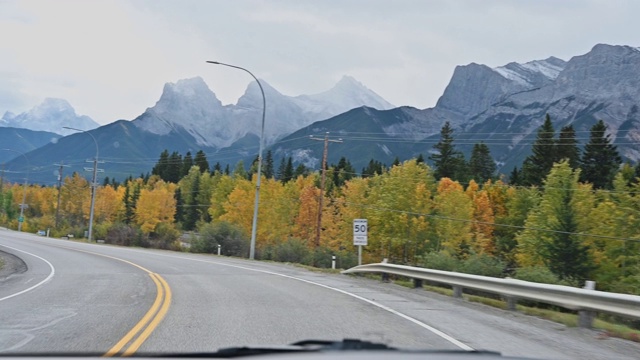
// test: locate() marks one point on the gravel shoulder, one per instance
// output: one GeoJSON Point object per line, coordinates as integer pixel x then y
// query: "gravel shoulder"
{"type": "Point", "coordinates": [10, 265]}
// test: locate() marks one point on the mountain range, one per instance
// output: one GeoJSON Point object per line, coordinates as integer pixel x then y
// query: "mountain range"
{"type": "Point", "coordinates": [502, 107]}
{"type": "Point", "coordinates": [51, 116]}
{"type": "Point", "coordinates": [187, 117]}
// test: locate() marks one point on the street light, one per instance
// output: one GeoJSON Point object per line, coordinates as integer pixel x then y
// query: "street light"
{"type": "Point", "coordinates": [24, 191]}
{"type": "Point", "coordinates": [254, 225]}
{"type": "Point", "coordinates": [93, 182]}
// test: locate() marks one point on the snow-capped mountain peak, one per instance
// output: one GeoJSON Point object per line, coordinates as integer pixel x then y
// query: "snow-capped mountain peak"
{"type": "Point", "coordinates": [50, 115]}
{"type": "Point", "coordinates": [190, 105]}
{"type": "Point", "coordinates": [346, 94]}
{"type": "Point", "coordinates": [186, 93]}
{"type": "Point", "coordinates": [533, 73]}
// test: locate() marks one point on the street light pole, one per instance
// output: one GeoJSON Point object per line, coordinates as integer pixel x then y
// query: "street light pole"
{"type": "Point", "coordinates": [93, 181]}
{"type": "Point", "coordinates": [24, 191]}
{"type": "Point", "coordinates": [254, 225]}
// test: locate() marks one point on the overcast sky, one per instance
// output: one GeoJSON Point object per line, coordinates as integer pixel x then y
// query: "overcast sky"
{"type": "Point", "coordinates": [110, 59]}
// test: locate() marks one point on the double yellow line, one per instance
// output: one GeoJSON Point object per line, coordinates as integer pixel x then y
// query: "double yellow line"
{"type": "Point", "coordinates": [149, 322]}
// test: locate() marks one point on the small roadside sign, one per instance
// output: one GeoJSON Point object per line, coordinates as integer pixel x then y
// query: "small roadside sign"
{"type": "Point", "coordinates": [360, 229]}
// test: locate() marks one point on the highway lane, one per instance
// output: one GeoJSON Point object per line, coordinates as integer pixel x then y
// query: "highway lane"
{"type": "Point", "coordinates": [87, 301]}
{"type": "Point", "coordinates": [220, 302]}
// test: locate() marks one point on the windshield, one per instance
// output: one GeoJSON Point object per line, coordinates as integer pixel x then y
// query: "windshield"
{"type": "Point", "coordinates": [181, 177]}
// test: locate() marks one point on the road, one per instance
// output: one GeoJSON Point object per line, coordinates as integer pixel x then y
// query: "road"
{"type": "Point", "coordinates": [77, 297]}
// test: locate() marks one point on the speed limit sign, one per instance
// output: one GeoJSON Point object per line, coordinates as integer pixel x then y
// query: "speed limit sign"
{"type": "Point", "coordinates": [360, 232]}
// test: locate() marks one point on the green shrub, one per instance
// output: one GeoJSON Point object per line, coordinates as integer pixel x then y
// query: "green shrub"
{"type": "Point", "coordinates": [320, 257]}
{"type": "Point", "coordinates": [538, 274]}
{"type": "Point", "coordinates": [124, 235]}
{"type": "Point", "coordinates": [481, 264]}
{"type": "Point", "coordinates": [439, 261]}
{"type": "Point", "coordinates": [232, 240]}
{"type": "Point", "coordinates": [164, 236]}
{"type": "Point", "coordinates": [292, 250]}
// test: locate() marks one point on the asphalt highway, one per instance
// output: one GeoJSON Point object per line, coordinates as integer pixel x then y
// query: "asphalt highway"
{"type": "Point", "coordinates": [76, 297]}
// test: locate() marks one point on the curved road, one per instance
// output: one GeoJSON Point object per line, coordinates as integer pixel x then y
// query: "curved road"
{"type": "Point", "coordinates": [78, 297]}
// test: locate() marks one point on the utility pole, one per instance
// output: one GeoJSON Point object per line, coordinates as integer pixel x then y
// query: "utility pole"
{"type": "Point", "coordinates": [324, 174]}
{"type": "Point", "coordinates": [59, 189]}
{"type": "Point", "coordinates": [94, 186]}
{"type": "Point", "coordinates": [1, 189]}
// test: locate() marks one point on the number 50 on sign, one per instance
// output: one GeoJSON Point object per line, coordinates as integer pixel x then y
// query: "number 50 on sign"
{"type": "Point", "coordinates": [360, 232]}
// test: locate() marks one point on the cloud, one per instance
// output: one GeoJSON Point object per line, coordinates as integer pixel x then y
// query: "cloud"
{"type": "Point", "coordinates": [110, 59]}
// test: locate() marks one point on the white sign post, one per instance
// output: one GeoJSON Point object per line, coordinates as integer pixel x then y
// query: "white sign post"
{"type": "Point", "coordinates": [360, 228]}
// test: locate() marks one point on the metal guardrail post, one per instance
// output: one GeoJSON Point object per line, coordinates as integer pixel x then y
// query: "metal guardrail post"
{"type": "Point", "coordinates": [585, 317]}
{"type": "Point", "coordinates": [457, 291]}
{"type": "Point", "coordinates": [417, 283]}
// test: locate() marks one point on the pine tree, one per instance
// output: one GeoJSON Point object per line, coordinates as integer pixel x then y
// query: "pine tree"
{"type": "Point", "coordinates": [239, 171]}
{"type": "Point", "coordinates": [216, 168]}
{"type": "Point", "coordinates": [514, 177]}
{"type": "Point", "coordinates": [201, 161]}
{"type": "Point", "coordinates": [253, 168]}
{"type": "Point", "coordinates": [481, 164]}
{"type": "Point", "coordinates": [174, 168]}
{"type": "Point", "coordinates": [560, 248]}
{"type": "Point", "coordinates": [375, 167]}
{"type": "Point", "coordinates": [130, 202]}
{"type": "Point", "coordinates": [600, 160]}
{"type": "Point", "coordinates": [179, 215]}
{"type": "Point", "coordinates": [267, 169]}
{"type": "Point", "coordinates": [420, 159]}
{"type": "Point", "coordinates": [344, 171]}
{"type": "Point", "coordinates": [566, 256]}
{"type": "Point", "coordinates": [281, 168]}
{"type": "Point", "coordinates": [567, 147]}
{"type": "Point", "coordinates": [192, 211]}
{"type": "Point", "coordinates": [128, 211]}
{"type": "Point", "coordinates": [187, 163]}
{"type": "Point", "coordinates": [537, 165]}
{"type": "Point", "coordinates": [447, 162]}
{"type": "Point", "coordinates": [161, 166]}
{"type": "Point", "coordinates": [288, 171]}
{"type": "Point", "coordinates": [300, 170]}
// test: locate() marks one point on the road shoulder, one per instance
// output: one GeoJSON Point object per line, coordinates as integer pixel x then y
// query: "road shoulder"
{"type": "Point", "coordinates": [12, 265]}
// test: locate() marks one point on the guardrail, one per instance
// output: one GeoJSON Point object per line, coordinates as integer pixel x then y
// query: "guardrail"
{"type": "Point", "coordinates": [583, 300]}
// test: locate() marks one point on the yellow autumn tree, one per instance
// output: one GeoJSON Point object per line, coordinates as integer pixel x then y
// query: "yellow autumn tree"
{"type": "Point", "coordinates": [108, 204]}
{"type": "Point", "coordinates": [353, 204]}
{"type": "Point", "coordinates": [238, 207]}
{"type": "Point", "coordinates": [306, 220]}
{"type": "Point", "coordinates": [454, 213]}
{"type": "Point", "coordinates": [483, 219]}
{"type": "Point", "coordinates": [156, 205]}
{"type": "Point", "coordinates": [75, 198]}
{"type": "Point", "coordinates": [274, 213]}
{"type": "Point", "coordinates": [400, 204]}
{"type": "Point", "coordinates": [223, 185]}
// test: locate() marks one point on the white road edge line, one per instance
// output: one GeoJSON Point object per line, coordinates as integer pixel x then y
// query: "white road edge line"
{"type": "Point", "coordinates": [53, 271]}
{"type": "Point", "coordinates": [443, 335]}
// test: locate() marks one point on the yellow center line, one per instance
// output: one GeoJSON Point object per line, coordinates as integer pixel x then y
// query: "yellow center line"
{"type": "Point", "coordinates": [151, 319]}
{"type": "Point", "coordinates": [145, 319]}
{"type": "Point", "coordinates": [154, 323]}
